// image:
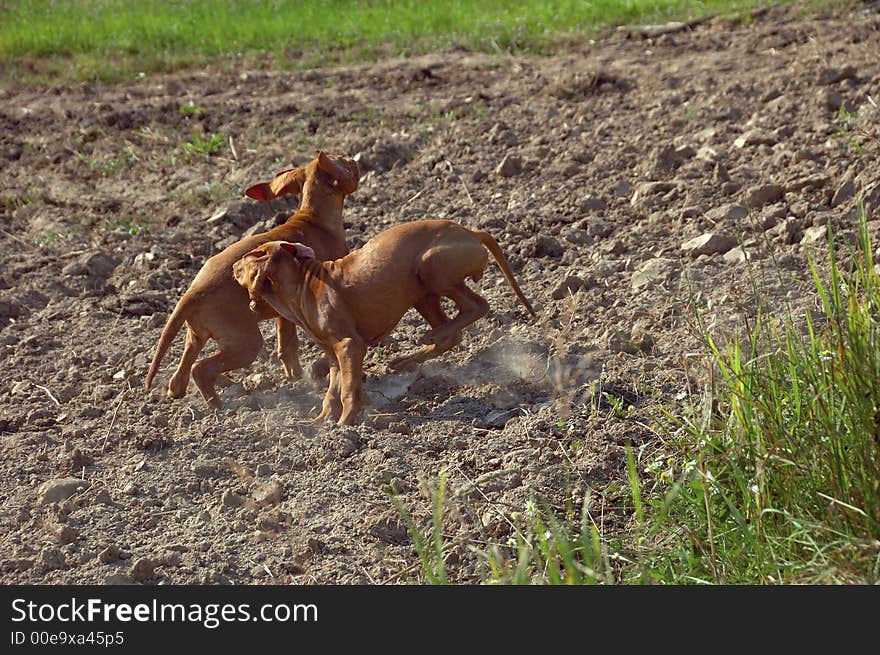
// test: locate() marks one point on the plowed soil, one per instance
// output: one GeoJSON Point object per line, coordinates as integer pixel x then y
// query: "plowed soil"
{"type": "Point", "coordinates": [591, 167]}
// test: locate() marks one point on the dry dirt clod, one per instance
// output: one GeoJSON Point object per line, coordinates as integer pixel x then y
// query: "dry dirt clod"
{"type": "Point", "coordinates": [727, 212]}
{"type": "Point", "coordinates": [569, 286]}
{"type": "Point", "coordinates": [653, 271]}
{"type": "Point", "coordinates": [54, 491]}
{"type": "Point", "coordinates": [231, 499]}
{"type": "Point", "coordinates": [711, 243]}
{"type": "Point", "coordinates": [755, 137]}
{"type": "Point", "coordinates": [510, 166]}
{"type": "Point", "coordinates": [268, 493]}
{"type": "Point", "coordinates": [111, 553]}
{"type": "Point", "coordinates": [763, 194]}
{"type": "Point", "coordinates": [142, 570]}
{"type": "Point", "coordinates": [51, 558]}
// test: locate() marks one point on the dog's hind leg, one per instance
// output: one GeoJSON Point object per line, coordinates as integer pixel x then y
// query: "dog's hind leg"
{"type": "Point", "coordinates": [191, 349]}
{"type": "Point", "coordinates": [432, 311]}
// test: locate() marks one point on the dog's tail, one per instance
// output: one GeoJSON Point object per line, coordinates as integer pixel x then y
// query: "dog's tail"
{"type": "Point", "coordinates": [172, 327]}
{"type": "Point", "coordinates": [492, 246]}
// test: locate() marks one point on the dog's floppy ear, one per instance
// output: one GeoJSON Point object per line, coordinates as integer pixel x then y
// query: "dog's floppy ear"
{"type": "Point", "coordinates": [289, 181]}
{"type": "Point", "coordinates": [298, 250]}
{"type": "Point", "coordinates": [344, 171]}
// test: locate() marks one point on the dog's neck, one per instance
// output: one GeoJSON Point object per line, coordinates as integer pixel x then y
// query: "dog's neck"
{"type": "Point", "coordinates": [325, 210]}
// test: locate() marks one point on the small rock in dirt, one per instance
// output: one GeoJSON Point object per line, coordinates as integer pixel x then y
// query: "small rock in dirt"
{"type": "Point", "coordinates": [640, 337]}
{"type": "Point", "coordinates": [711, 243]}
{"type": "Point", "coordinates": [620, 341]}
{"type": "Point", "coordinates": [710, 154]}
{"type": "Point", "coordinates": [498, 480]}
{"type": "Point", "coordinates": [845, 192]}
{"type": "Point", "coordinates": [501, 134]}
{"type": "Point", "coordinates": [142, 569]}
{"type": "Point", "coordinates": [833, 75]}
{"type": "Point", "coordinates": [622, 189]}
{"type": "Point", "coordinates": [54, 491]}
{"type": "Point", "coordinates": [497, 419]}
{"type": "Point", "coordinates": [763, 194]}
{"type": "Point", "coordinates": [80, 459]}
{"type": "Point", "coordinates": [344, 447]}
{"type": "Point", "coordinates": [96, 265]}
{"type": "Point", "coordinates": [102, 497]}
{"type": "Point", "coordinates": [542, 246]}
{"type": "Point", "coordinates": [65, 534]}
{"type": "Point", "coordinates": [596, 227]}
{"type": "Point", "coordinates": [666, 159]}
{"type": "Point", "coordinates": [648, 189]}
{"type": "Point", "coordinates": [729, 188]}
{"type": "Point", "coordinates": [728, 212]}
{"type": "Point", "coordinates": [111, 553]}
{"type": "Point", "coordinates": [383, 155]}
{"type": "Point", "coordinates": [268, 493]}
{"type": "Point", "coordinates": [592, 203]}
{"type": "Point", "coordinates": [393, 387]}
{"type": "Point", "coordinates": [209, 469]}
{"type": "Point", "coordinates": [267, 524]}
{"type": "Point", "coordinates": [263, 470]}
{"type": "Point", "coordinates": [736, 256]}
{"type": "Point", "coordinates": [755, 137]}
{"type": "Point", "coordinates": [653, 271]}
{"type": "Point", "coordinates": [570, 286]}
{"type": "Point", "coordinates": [51, 558]}
{"type": "Point", "coordinates": [231, 499]}
{"type": "Point", "coordinates": [577, 237]}
{"type": "Point", "coordinates": [510, 166]}
{"type": "Point", "coordinates": [831, 99]}
{"type": "Point", "coordinates": [131, 489]}
{"type": "Point", "coordinates": [814, 234]}
{"type": "Point", "coordinates": [771, 216]}
{"type": "Point", "coordinates": [790, 231]}
{"type": "Point", "coordinates": [388, 528]}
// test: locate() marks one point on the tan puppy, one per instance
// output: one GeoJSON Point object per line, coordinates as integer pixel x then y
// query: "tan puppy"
{"type": "Point", "coordinates": [215, 307]}
{"type": "Point", "coordinates": [351, 303]}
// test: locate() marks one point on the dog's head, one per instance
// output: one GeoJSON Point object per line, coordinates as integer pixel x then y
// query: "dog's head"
{"type": "Point", "coordinates": [271, 273]}
{"type": "Point", "coordinates": [328, 174]}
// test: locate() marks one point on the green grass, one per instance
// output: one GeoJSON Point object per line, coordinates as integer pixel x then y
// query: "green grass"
{"type": "Point", "coordinates": [119, 38]}
{"type": "Point", "coordinates": [773, 477]}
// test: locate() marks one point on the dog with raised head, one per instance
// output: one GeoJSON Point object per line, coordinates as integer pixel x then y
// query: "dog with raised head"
{"type": "Point", "coordinates": [351, 303]}
{"type": "Point", "coordinates": [215, 307]}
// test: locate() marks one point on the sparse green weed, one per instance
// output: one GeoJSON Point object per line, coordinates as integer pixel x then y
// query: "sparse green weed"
{"type": "Point", "coordinates": [207, 147]}
{"type": "Point", "coordinates": [191, 109]}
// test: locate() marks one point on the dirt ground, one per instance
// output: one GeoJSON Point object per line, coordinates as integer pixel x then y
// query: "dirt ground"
{"type": "Point", "coordinates": [592, 168]}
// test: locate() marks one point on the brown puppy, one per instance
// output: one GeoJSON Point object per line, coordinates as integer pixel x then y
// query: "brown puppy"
{"type": "Point", "coordinates": [215, 307]}
{"type": "Point", "coordinates": [351, 303]}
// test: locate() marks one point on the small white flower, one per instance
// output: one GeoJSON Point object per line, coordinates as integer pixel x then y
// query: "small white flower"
{"type": "Point", "coordinates": [755, 489]}
{"type": "Point", "coordinates": [690, 467]}
{"type": "Point", "coordinates": [531, 510]}
{"type": "Point", "coordinates": [547, 535]}
{"type": "Point", "coordinates": [511, 542]}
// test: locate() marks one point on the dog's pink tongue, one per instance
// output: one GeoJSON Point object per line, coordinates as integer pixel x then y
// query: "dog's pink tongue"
{"type": "Point", "coordinates": [253, 305]}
